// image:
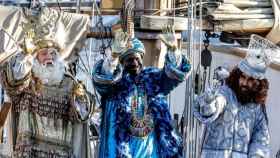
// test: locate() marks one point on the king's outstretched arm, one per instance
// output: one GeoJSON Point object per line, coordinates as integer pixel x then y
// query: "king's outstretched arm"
{"type": "Point", "coordinates": [176, 68]}
{"type": "Point", "coordinates": [108, 72]}
{"type": "Point", "coordinates": [210, 105]}
{"type": "Point", "coordinates": [16, 73]}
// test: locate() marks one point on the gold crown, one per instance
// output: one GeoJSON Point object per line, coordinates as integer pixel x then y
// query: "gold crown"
{"type": "Point", "coordinates": [30, 47]}
{"type": "Point", "coordinates": [46, 44]}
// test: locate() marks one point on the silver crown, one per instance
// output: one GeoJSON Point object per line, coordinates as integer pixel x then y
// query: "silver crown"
{"type": "Point", "coordinates": [261, 52]}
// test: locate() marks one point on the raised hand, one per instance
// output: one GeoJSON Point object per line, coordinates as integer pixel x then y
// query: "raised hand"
{"type": "Point", "coordinates": [119, 46]}
{"type": "Point", "coordinates": [120, 43]}
{"type": "Point", "coordinates": [169, 38]}
{"type": "Point", "coordinates": [210, 94]}
{"type": "Point", "coordinates": [28, 45]}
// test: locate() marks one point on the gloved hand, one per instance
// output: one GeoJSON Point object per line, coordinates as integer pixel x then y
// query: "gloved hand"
{"type": "Point", "coordinates": [28, 45]}
{"type": "Point", "coordinates": [208, 103]}
{"type": "Point", "coordinates": [210, 95]}
{"type": "Point", "coordinates": [120, 43]}
{"type": "Point", "coordinates": [119, 46]}
{"type": "Point", "coordinates": [79, 89]}
{"type": "Point", "coordinates": [169, 38]}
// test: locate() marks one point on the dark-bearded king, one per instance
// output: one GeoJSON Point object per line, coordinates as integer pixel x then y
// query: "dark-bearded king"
{"type": "Point", "coordinates": [234, 114]}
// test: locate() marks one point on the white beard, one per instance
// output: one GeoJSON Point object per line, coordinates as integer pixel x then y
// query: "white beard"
{"type": "Point", "coordinates": [49, 74]}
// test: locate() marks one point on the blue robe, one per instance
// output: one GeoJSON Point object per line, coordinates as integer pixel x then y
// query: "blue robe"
{"type": "Point", "coordinates": [232, 130]}
{"type": "Point", "coordinates": [150, 87]}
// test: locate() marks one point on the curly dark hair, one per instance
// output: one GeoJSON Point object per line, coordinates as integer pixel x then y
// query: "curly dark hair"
{"type": "Point", "coordinates": [256, 94]}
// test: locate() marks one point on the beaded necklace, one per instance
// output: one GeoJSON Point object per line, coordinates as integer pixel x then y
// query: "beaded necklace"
{"type": "Point", "coordinates": [141, 120]}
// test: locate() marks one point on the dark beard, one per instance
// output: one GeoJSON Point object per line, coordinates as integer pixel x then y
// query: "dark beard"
{"type": "Point", "coordinates": [254, 94]}
{"type": "Point", "coordinates": [245, 95]}
{"type": "Point", "coordinates": [132, 70]}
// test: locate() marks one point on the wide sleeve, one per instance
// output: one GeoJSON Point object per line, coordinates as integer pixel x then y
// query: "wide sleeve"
{"type": "Point", "coordinates": [208, 107]}
{"type": "Point", "coordinates": [170, 144]}
{"type": "Point", "coordinates": [164, 80]}
{"type": "Point", "coordinates": [16, 73]}
{"type": "Point", "coordinates": [104, 80]}
{"type": "Point", "coordinates": [259, 146]}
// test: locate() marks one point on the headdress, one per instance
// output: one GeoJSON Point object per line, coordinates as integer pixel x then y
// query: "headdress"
{"type": "Point", "coordinates": [56, 29]}
{"type": "Point", "coordinates": [67, 30]}
{"type": "Point", "coordinates": [261, 52]}
{"type": "Point", "coordinates": [39, 31]}
{"type": "Point", "coordinates": [135, 46]}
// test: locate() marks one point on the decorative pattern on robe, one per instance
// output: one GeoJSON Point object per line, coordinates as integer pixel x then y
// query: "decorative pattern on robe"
{"type": "Point", "coordinates": [43, 122]}
{"type": "Point", "coordinates": [232, 130]}
{"type": "Point", "coordinates": [117, 91]}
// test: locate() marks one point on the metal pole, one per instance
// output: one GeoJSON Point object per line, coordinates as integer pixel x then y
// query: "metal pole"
{"type": "Point", "coordinates": [193, 142]}
{"type": "Point", "coordinates": [187, 112]}
{"type": "Point", "coordinates": [78, 6]}
{"type": "Point", "coordinates": [191, 125]}
{"type": "Point", "coordinates": [198, 125]}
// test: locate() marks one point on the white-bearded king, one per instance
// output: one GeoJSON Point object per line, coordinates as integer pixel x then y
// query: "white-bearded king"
{"type": "Point", "coordinates": [49, 109]}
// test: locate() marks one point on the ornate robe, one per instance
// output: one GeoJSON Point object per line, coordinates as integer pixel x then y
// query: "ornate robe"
{"type": "Point", "coordinates": [232, 130]}
{"type": "Point", "coordinates": [44, 123]}
{"type": "Point", "coordinates": [136, 122]}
